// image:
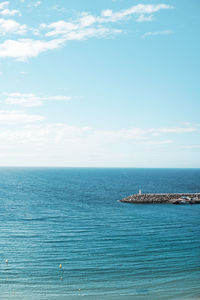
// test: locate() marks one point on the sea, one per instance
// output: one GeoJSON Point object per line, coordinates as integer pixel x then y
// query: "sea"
{"type": "Point", "coordinates": [64, 234]}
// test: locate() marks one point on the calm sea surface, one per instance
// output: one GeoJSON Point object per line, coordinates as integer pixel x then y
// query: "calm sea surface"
{"type": "Point", "coordinates": [108, 249]}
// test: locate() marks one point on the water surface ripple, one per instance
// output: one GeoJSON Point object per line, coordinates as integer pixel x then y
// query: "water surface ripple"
{"type": "Point", "coordinates": [108, 249]}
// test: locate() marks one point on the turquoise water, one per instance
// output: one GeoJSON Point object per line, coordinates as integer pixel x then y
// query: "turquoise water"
{"type": "Point", "coordinates": [108, 249]}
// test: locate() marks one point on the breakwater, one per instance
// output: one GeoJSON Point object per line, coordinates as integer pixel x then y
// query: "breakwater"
{"type": "Point", "coordinates": [175, 198]}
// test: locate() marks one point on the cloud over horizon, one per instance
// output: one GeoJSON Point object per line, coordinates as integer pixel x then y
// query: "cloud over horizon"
{"type": "Point", "coordinates": [74, 143]}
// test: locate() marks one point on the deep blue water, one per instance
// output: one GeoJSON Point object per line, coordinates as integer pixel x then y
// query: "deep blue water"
{"type": "Point", "coordinates": [108, 249]}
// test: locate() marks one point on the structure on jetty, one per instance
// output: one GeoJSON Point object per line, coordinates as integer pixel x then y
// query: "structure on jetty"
{"type": "Point", "coordinates": [182, 198]}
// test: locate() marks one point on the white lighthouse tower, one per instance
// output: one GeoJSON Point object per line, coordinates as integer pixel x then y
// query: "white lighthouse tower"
{"type": "Point", "coordinates": [140, 192]}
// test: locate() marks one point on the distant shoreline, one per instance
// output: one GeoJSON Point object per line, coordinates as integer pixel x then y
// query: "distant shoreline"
{"type": "Point", "coordinates": [168, 198]}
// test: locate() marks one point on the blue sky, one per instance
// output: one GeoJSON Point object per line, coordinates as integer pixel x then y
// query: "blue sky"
{"type": "Point", "coordinates": [110, 83]}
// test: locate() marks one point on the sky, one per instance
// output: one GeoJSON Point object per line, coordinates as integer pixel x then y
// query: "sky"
{"type": "Point", "coordinates": [110, 83]}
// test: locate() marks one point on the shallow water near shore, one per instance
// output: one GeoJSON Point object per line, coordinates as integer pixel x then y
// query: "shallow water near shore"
{"type": "Point", "coordinates": [108, 249]}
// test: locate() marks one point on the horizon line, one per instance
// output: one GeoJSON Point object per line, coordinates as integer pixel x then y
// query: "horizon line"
{"type": "Point", "coordinates": [87, 167]}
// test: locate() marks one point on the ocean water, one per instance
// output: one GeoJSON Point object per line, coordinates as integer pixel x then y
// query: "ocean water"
{"type": "Point", "coordinates": [108, 249]}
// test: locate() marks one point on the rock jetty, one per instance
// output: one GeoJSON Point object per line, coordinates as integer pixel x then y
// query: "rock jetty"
{"type": "Point", "coordinates": [182, 198]}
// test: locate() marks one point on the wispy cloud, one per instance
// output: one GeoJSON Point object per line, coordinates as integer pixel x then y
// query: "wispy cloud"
{"type": "Point", "coordinates": [155, 33]}
{"type": "Point", "coordinates": [30, 100]}
{"type": "Point", "coordinates": [145, 18]}
{"type": "Point", "coordinates": [56, 34]}
{"type": "Point", "coordinates": [18, 117]}
{"type": "Point", "coordinates": [145, 134]}
{"type": "Point", "coordinates": [64, 134]}
{"type": "Point", "coordinates": [140, 9]}
{"type": "Point", "coordinates": [191, 147]}
{"type": "Point", "coordinates": [141, 133]}
{"type": "Point", "coordinates": [3, 4]}
{"type": "Point", "coordinates": [176, 130]}
{"type": "Point", "coordinates": [76, 145]}
{"type": "Point", "coordinates": [58, 8]}
{"type": "Point", "coordinates": [5, 11]}
{"type": "Point", "coordinates": [143, 13]}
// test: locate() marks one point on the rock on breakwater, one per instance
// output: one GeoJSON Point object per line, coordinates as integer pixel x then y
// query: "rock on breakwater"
{"type": "Point", "coordinates": [176, 198]}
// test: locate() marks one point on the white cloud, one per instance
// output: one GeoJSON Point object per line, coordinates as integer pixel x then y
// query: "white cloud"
{"type": "Point", "coordinates": [77, 31]}
{"type": "Point", "coordinates": [62, 144]}
{"type": "Point", "coordinates": [56, 34]}
{"type": "Point", "coordinates": [140, 9]}
{"type": "Point", "coordinates": [4, 11]}
{"type": "Point", "coordinates": [60, 132]}
{"type": "Point", "coordinates": [144, 18]}
{"type": "Point", "coordinates": [11, 27]}
{"type": "Point", "coordinates": [162, 142]}
{"type": "Point", "coordinates": [46, 136]}
{"type": "Point", "coordinates": [155, 33]}
{"type": "Point", "coordinates": [78, 26]}
{"type": "Point", "coordinates": [91, 32]}
{"type": "Point", "coordinates": [16, 117]}
{"type": "Point", "coordinates": [191, 147]}
{"type": "Point", "coordinates": [23, 49]}
{"type": "Point", "coordinates": [144, 134]}
{"type": "Point", "coordinates": [66, 135]}
{"type": "Point", "coordinates": [3, 4]}
{"type": "Point", "coordinates": [8, 12]}
{"type": "Point", "coordinates": [60, 27]}
{"type": "Point", "coordinates": [58, 8]}
{"type": "Point", "coordinates": [176, 130]}
{"type": "Point", "coordinates": [87, 20]}
{"type": "Point", "coordinates": [30, 100]}
{"type": "Point", "coordinates": [34, 3]}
